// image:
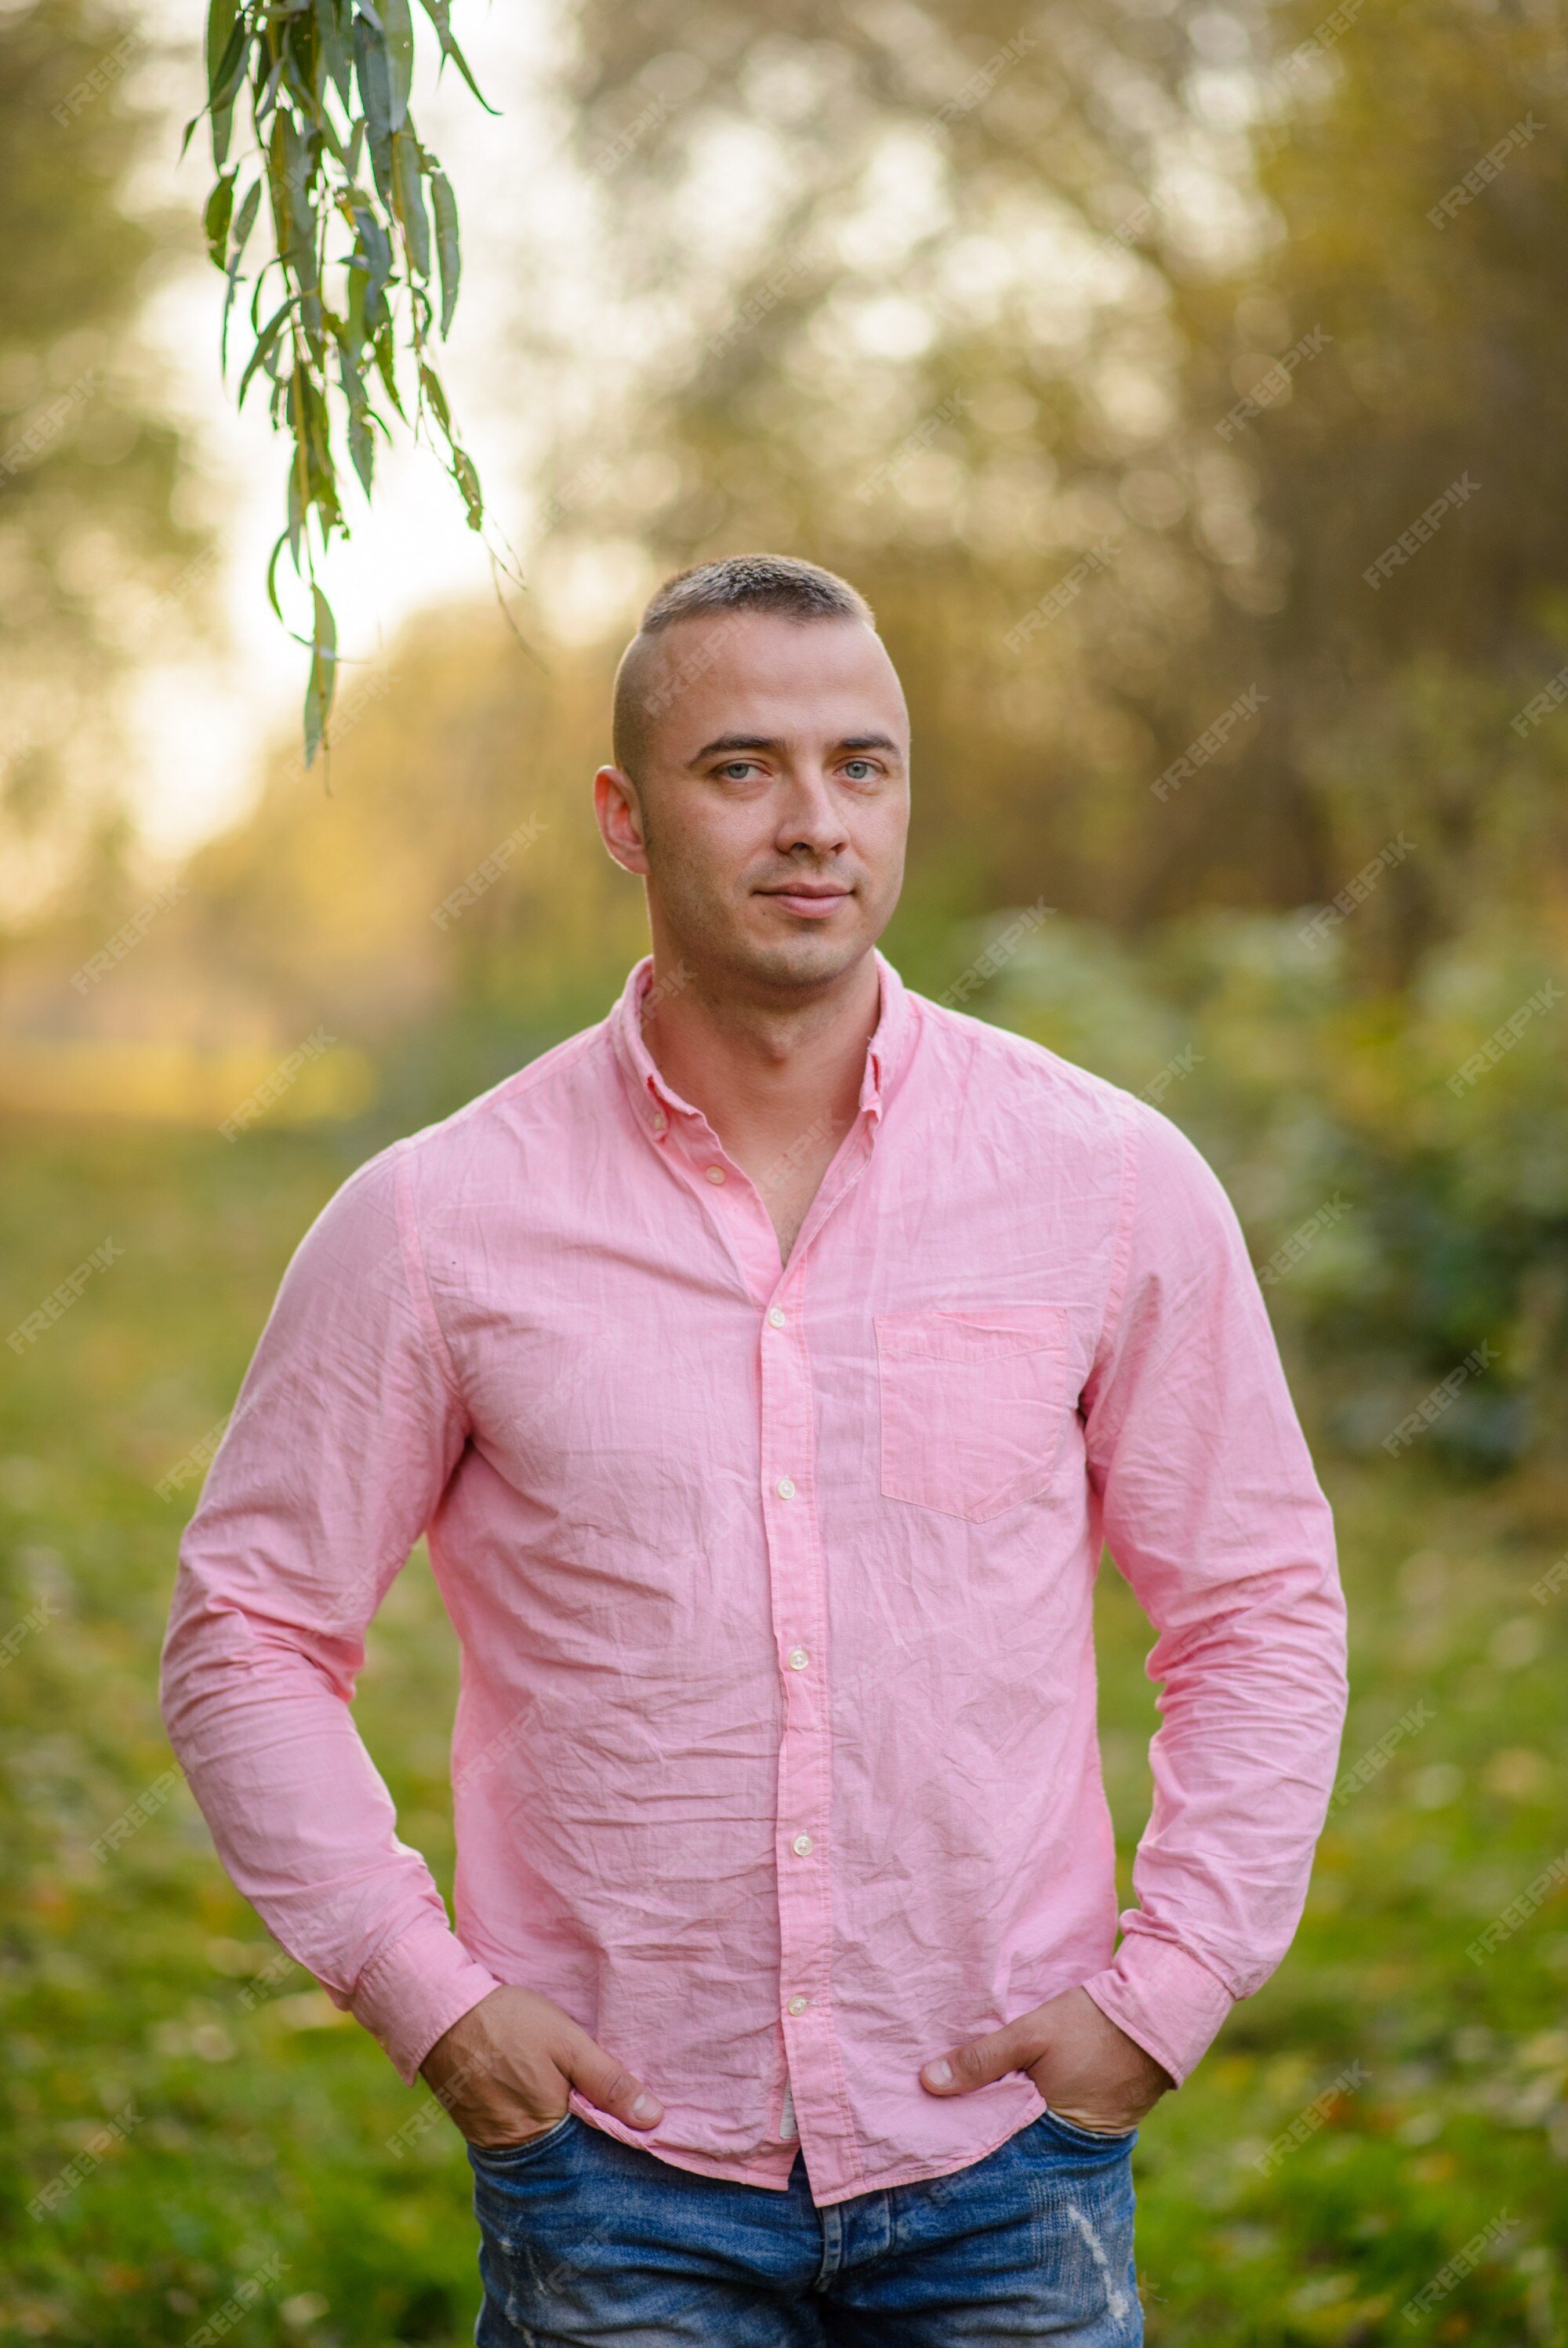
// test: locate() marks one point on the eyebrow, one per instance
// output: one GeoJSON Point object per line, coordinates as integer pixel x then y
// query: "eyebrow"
{"type": "Point", "coordinates": [770, 742]}
{"type": "Point", "coordinates": [735, 742]}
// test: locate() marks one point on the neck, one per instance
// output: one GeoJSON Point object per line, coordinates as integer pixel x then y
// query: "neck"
{"type": "Point", "coordinates": [764, 1073]}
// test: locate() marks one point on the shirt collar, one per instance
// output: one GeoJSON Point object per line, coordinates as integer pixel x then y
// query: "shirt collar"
{"type": "Point", "coordinates": [656, 1102]}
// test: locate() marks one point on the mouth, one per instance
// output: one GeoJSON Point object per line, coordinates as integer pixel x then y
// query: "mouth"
{"type": "Point", "coordinates": [811, 900]}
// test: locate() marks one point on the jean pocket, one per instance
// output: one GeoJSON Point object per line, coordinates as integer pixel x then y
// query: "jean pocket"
{"type": "Point", "coordinates": [976, 1404]}
{"type": "Point", "coordinates": [509, 2156]}
{"type": "Point", "coordinates": [1088, 2140]}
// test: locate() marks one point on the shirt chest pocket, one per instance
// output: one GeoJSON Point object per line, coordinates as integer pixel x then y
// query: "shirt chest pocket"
{"type": "Point", "coordinates": [976, 1406]}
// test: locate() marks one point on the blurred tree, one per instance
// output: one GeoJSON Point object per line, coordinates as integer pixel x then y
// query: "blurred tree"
{"type": "Point", "coordinates": [448, 906]}
{"type": "Point", "coordinates": [86, 464]}
{"type": "Point", "coordinates": [930, 253]}
{"type": "Point", "coordinates": [1423, 343]}
{"type": "Point", "coordinates": [953, 300]}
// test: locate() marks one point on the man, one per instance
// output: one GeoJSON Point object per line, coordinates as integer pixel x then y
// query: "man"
{"type": "Point", "coordinates": [766, 1365]}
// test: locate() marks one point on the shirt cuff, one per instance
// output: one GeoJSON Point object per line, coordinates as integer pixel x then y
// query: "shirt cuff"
{"type": "Point", "coordinates": [1167, 2001]}
{"type": "Point", "coordinates": [416, 1990]}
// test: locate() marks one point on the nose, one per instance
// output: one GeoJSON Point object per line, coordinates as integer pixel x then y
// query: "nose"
{"type": "Point", "coordinates": [812, 821]}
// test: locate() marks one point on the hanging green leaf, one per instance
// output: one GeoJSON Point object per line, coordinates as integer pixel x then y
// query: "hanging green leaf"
{"type": "Point", "coordinates": [322, 685]}
{"type": "Point", "coordinates": [430, 386]}
{"type": "Point", "coordinates": [410, 200]}
{"type": "Point", "coordinates": [222, 30]}
{"type": "Point", "coordinates": [336, 57]}
{"type": "Point", "coordinates": [266, 344]}
{"type": "Point", "coordinates": [220, 211]}
{"type": "Point", "coordinates": [439, 13]}
{"type": "Point", "coordinates": [398, 31]}
{"type": "Point", "coordinates": [445, 206]}
{"type": "Point", "coordinates": [327, 85]}
{"type": "Point", "coordinates": [362, 447]}
{"type": "Point", "coordinates": [225, 66]}
{"type": "Point", "coordinates": [384, 361]}
{"type": "Point", "coordinates": [241, 237]}
{"type": "Point", "coordinates": [468, 482]}
{"type": "Point", "coordinates": [373, 75]}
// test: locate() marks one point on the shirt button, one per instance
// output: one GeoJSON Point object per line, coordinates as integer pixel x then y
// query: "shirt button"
{"type": "Point", "coordinates": [798, 2005]}
{"type": "Point", "coordinates": [798, 1659]}
{"type": "Point", "coordinates": [660, 1120]}
{"type": "Point", "coordinates": [785, 1487]}
{"type": "Point", "coordinates": [715, 1174]}
{"type": "Point", "coordinates": [775, 1316]}
{"type": "Point", "coordinates": [803, 1845]}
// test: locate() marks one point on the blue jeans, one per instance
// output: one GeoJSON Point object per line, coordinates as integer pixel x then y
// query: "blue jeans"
{"type": "Point", "coordinates": [589, 2240]}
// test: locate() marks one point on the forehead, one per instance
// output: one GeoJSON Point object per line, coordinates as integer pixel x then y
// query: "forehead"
{"type": "Point", "coordinates": [757, 673]}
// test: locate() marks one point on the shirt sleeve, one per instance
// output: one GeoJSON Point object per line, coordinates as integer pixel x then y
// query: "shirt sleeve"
{"type": "Point", "coordinates": [1212, 1513]}
{"type": "Point", "coordinates": [347, 1427]}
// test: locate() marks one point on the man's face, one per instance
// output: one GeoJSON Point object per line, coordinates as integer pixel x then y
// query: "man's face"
{"type": "Point", "coordinates": [772, 800]}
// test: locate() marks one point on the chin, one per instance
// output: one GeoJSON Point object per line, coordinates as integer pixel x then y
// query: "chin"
{"type": "Point", "coordinates": [810, 958]}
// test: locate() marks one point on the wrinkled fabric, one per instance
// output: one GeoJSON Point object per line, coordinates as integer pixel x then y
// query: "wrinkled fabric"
{"type": "Point", "coordinates": [775, 1761]}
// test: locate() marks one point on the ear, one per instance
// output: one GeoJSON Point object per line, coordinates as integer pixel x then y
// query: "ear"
{"type": "Point", "coordinates": [620, 815]}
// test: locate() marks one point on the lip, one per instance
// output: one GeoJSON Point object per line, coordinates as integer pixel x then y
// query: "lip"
{"type": "Point", "coordinates": [811, 902]}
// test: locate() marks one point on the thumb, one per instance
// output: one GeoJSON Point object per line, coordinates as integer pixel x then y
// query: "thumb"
{"type": "Point", "coordinates": [607, 2084]}
{"type": "Point", "coordinates": [966, 2068]}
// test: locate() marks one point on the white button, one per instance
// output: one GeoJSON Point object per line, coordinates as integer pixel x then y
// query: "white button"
{"type": "Point", "coordinates": [785, 1487]}
{"type": "Point", "coordinates": [715, 1174]}
{"type": "Point", "coordinates": [660, 1120]}
{"type": "Point", "coordinates": [798, 1659]}
{"type": "Point", "coordinates": [798, 2005]}
{"type": "Point", "coordinates": [802, 1845]}
{"type": "Point", "coordinates": [775, 1316]}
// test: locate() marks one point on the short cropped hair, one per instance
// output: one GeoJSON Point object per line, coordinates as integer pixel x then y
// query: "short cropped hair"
{"type": "Point", "coordinates": [754, 583]}
{"type": "Point", "coordinates": [779, 583]}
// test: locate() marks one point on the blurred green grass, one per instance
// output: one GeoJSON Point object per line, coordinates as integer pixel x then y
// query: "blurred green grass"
{"type": "Point", "coordinates": [263, 2118]}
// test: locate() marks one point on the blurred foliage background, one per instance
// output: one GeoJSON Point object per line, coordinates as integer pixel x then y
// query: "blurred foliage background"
{"type": "Point", "coordinates": [1106, 347]}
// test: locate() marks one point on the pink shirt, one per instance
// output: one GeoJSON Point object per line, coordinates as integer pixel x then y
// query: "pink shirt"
{"type": "Point", "coordinates": [775, 1760]}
